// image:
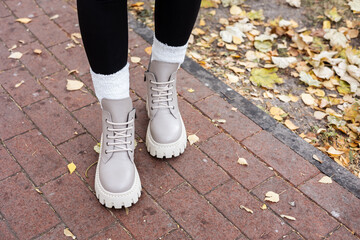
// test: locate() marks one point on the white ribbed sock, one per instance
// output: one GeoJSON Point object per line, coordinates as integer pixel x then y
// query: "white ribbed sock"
{"type": "Point", "coordinates": [165, 53]}
{"type": "Point", "coordinates": [112, 86]}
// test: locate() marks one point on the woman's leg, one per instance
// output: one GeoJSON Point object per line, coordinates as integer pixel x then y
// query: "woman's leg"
{"type": "Point", "coordinates": [104, 30]}
{"type": "Point", "coordinates": [103, 26]}
{"type": "Point", "coordinates": [174, 20]}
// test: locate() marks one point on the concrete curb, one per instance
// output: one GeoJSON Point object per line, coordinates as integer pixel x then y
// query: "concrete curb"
{"type": "Point", "coordinates": [339, 174]}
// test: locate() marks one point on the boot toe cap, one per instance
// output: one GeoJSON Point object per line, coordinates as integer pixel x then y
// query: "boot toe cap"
{"type": "Point", "coordinates": [165, 130]}
{"type": "Point", "coordinates": [117, 176]}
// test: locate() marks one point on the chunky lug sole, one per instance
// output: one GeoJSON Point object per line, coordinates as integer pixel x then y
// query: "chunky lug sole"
{"type": "Point", "coordinates": [117, 200]}
{"type": "Point", "coordinates": [167, 150]}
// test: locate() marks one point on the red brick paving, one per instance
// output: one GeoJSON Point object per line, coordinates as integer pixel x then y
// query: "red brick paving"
{"type": "Point", "coordinates": [11, 32]}
{"type": "Point", "coordinates": [47, 31]}
{"type": "Point", "coordinates": [33, 152]}
{"type": "Point", "coordinates": [24, 209]}
{"type": "Point", "coordinates": [280, 157]}
{"type": "Point", "coordinates": [237, 124]}
{"type": "Point", "coordinates": [340, 203]}
{"type": "Point", "coordinates": [6, 233]}
{"type": "Point", "coordinates": [227, 154]}
{"type": "Point", "coordinates": [12, 120]}
{"type": "Point", "coordinates": [9, 166]}
{"type": "Point", "coordinates": [28, 92]}
{"type": "Point", "coordinates": [113, 232]}
{"type": "Point", "coordinates": [53, 120]}
{"type": "Point", "coordinates": [147, 221]}
{"type": "Point", "coordinates": [311, 220]}
{"type": "Point", "coordinates": [194, 214]}
{"type": "Point", "coordinates": [56, 232]}
{"type": "Point", "coordinates": [39, 65]}
{"type": "Point", "coordinates": [83, 220]}
{"type": "Point", "coordinates": [56, 84]}
{"type": "Point", "coordinates": [342, 234]}
{"type": "Point", "coordinates": [194, 196]}
{"type": "Point", "coordinates": [261, 224]}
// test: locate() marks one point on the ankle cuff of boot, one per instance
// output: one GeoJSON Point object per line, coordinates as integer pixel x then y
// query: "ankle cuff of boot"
{"type": "Point", "coordinates": [165, 53]}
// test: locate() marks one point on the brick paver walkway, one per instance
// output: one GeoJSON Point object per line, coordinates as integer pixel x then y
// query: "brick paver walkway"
{"type": "Point", "coordinates": [198, 195]}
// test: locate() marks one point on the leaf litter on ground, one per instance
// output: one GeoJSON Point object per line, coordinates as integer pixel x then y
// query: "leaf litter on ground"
{"type": "Point", "coordinates": [258, 57]}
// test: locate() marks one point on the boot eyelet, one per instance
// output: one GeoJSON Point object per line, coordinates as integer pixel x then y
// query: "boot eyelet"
{"type": "Point", "coordinates": [106, 152]}
{"type": "Point", "coordinates": [107, 144]}
{"type": "Point", "coordinates": [151, 108]}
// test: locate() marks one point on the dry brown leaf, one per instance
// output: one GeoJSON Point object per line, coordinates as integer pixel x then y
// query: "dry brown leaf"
{"type": "Point", "coordinates": [246, 209]}
{"type": "Point", "coordinates": [23, 20]}
{"type": "Point", "coordinates": [19, 84]}
{"type": "Point", "coordinates": [242, 161]}
{"type": "Point", "coordinates": [232, 78]}
{"type": "Point", "coordinates": [325, 179]}
{"type": "Point", "coordinates": [15, 55]}
{"type": "Point", "coordinates": [308, 99]}
{"type": "Point", "coordinates": [288, 217]}
{"type": "Point", "coordinates": [332, 151]}
{"type": "Point", "coordinates": [37, 51]}
{"type": "Point", "coordinates": [73, 85]}
{"type": "Point", "coordinates": [67, 233]}
{"type": "Point", "coordinates": [290, 125]}
{"type": "Point", "coordinates": [54, 17]}
{"type": "Point", "coordinates": [235, 10]}
{"type": "Point", "coordinates": [319, 115]}
{"type": "Point", "coordinates": [193, 139]}
{"type": "Point", "coordinates": [316, 158]}
{"type": "Point", "coordinates": [135, 59]}
{"type": "Point", "coordinates": [272, 197]}
{"type": "Point", "coordinates": [231, 47]}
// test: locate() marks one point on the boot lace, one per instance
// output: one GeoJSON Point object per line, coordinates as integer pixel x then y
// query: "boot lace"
{"type": "Point", "coordinates": [163, 91]}
{"type": "Point", "coordinates": [119, 136]}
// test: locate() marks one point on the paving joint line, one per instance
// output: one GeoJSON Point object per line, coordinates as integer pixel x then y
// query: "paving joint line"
{"type": "Point", "coordinates": [330, 168]}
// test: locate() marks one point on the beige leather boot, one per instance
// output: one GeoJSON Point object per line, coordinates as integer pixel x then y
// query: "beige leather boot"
{"type": "Point", "coordinates": [117, 181]}
{"type": "Point", "coordinates": [166, 134]}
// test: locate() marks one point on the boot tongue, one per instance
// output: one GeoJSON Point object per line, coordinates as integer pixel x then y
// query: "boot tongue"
{"type": "Point", "coordinates": [119, 109]}
{"type": "Point", "coordinates": [163, 70]}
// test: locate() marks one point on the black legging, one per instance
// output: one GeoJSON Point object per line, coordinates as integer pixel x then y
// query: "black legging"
{"type": "Point", "coordinates": [104, 29]}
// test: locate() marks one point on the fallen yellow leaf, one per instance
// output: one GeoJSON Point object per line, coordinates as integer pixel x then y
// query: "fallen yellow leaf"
{"type": "Point", "coordinates": [148, 50]}
{"type": "Point", "coordinates": [71, 166]}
